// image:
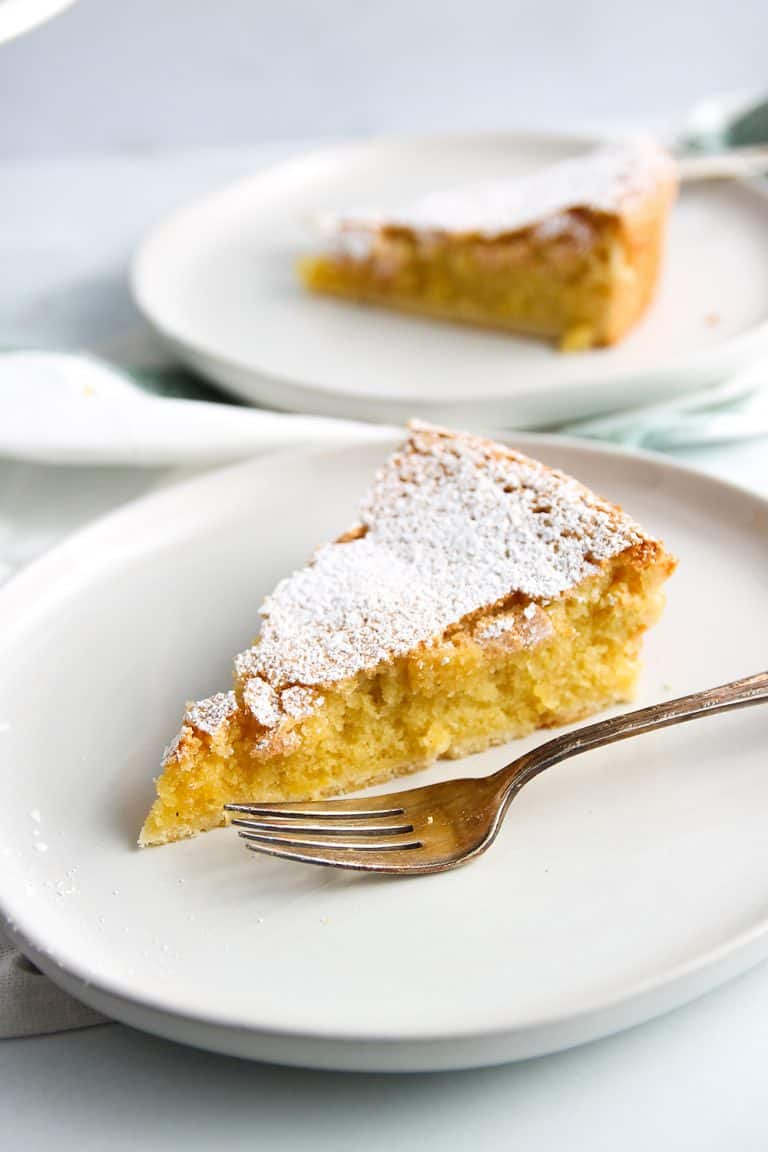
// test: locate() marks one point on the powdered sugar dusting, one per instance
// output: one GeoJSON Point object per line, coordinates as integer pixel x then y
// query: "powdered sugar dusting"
{"type": "Point", "coordinates": [172, 750]}
{"type": "Point", "coordinates": [611, 179]}
{"type": "Point", "coordinates": [262, 701]}
{"type": "Point", "coordinates": [454, 524]}
{"type": "Point", "coordinates": [245, 664]}
{"type": "Point", "coordinates": [498, 626]}
{"type": "Point", "coordinates": [208, 715]}
{"type": "Point", "coordinates": [516, 629]}
{"type": "Point", "coordinates": [299, 702]}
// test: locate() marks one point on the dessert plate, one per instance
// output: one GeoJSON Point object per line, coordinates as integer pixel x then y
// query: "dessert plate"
{"type": "Point", "coordinates": [218, 281]}
{"type": "Point", "coordinates": [625, 882]}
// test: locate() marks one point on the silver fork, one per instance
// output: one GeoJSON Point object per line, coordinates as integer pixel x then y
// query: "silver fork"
{"type": "Point", "coordinates": [441, 826]}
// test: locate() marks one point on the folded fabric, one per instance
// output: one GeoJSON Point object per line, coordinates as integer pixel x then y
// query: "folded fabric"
{"type": "Point", "coordinates": [30, 1004]}
{"type": "Point", "coordinates": [737, 409]}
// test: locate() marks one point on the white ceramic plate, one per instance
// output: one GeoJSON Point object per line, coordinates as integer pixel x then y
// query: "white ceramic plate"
{"type": "Point", "coordinates": [18, 16]}
{"type": "Point", "coordinates": [218, 281]}
{"type": "Point", "coordinates": [624, 882]}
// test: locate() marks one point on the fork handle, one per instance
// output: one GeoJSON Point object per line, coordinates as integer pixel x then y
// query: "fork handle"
{"type": "Point", "coordinates": [736, 694]}
{"type": "Point", "coordinates": [751, 160]}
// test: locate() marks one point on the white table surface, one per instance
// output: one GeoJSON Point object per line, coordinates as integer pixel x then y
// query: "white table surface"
{"type": "Point", "coordinates": [692, 1080]}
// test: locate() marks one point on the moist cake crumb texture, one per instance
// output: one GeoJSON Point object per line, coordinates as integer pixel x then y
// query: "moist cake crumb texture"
{"type": "Point", "coordinates": [452, 525]}
{"type": "Point", "coordinates": [570, 252]}
{"type": "Point", "coordinates": [480, 595]}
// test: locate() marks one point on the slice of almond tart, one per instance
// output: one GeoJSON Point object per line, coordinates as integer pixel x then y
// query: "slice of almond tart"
{"type": "Point", "coordinates": [480, 596]}
{"type": "Point", "coordinates": [570, 252]}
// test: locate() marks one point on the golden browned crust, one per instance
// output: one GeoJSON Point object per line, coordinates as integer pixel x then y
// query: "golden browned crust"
{"type": "Point", "coordinates": [602, 269]}
{"type": "Point", "coordinates": [478, 502]}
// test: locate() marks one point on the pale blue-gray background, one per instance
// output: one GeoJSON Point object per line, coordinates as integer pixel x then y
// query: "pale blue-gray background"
{"type": "Point", "coordinates": [116, 73]}
{"type": "Point", "coordinates": [132, 77]}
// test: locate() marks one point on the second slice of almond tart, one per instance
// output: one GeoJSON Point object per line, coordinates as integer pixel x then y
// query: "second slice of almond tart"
{"type": "Point", "coordinates": [482, 595]}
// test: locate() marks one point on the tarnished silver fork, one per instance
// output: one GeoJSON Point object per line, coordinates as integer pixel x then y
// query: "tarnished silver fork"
{"type": "Point", "coordinates": [441, 826]}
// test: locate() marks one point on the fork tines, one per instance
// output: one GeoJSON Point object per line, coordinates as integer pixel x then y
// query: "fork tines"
{"type": "Point", "coordinates": [311, 833]}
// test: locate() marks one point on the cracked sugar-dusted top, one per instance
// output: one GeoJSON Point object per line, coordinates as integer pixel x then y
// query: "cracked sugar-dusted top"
{"type": "Point", "coordinates": [453, 524]}
{"type": "Point", "coordinates": [208, 715]}
{"type": "Point", "coordinates": [613, 180]}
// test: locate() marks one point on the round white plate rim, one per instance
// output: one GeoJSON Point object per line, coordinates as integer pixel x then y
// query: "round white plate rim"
{"type": "Point", "coordinates": [350, 1052]}
{"type": "Point", "coordinates": [675, 375]}
{"type": "Point", "coordinates": [347, 1049]}
{"type": "Point", "coordinates": [19, 19]}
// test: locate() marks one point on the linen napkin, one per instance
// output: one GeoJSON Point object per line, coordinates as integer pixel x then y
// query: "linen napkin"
{"type": "Point", "coordinates": [30, 1004]}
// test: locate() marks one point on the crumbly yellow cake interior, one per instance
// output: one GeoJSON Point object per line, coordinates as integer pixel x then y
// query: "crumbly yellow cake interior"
{"type": "Point", "coordinates": [582, 287]}
{"type": "Point", "coordinates": [472, 688]}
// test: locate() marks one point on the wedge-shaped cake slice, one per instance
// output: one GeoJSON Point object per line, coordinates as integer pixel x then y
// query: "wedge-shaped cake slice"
{"type": "Point", "coordinates": [481, 595]}
{"type": "Point", "coordinates": [570, 252]}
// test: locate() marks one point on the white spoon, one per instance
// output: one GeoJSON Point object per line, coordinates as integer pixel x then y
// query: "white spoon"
{"type": "Point", "coordinates": [66, 409]}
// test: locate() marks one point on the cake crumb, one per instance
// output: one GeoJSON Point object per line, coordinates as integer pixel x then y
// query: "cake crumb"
{"type": "Point", "coordinates": [712, 319]}
{"type": "Point", "coordinates": [453, 524]}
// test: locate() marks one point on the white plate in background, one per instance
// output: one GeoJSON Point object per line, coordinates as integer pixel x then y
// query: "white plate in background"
{"type": "Point", "coordinates": [623, 882]}
{"type": "Point", "coordinates": [217, 279]}
{"type": "Point", "coordinates": [19, 16]}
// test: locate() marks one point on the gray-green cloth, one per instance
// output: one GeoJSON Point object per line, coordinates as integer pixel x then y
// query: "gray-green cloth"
{"type": "Point", "coordinates": [736, 409]}
{"type": "Point", "coordinates": [30, 1004]}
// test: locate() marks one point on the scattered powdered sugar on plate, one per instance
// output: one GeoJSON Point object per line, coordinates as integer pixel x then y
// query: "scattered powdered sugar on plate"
{"type": "Point", "coordinates": [67, 886]}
